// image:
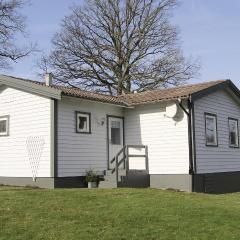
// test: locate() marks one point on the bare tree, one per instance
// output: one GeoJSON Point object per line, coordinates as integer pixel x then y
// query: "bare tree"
{"type": "Point", "coordinates": [11, 24]}
{"type": "Point", "coordinates": [118, 46]}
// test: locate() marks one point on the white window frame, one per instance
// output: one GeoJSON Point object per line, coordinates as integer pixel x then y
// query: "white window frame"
{"type": "Point", "coordinates": [6, 133]}
{"type": "Point", "coordinates": [88, 117]}
{"type": "Point", "coordinates": [214, 117]}
{"type": "Point", "coordinates": [237, 132]}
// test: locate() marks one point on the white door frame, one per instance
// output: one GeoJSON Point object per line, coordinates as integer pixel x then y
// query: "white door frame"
{"type": "Point", "coordinates": [123, 140]}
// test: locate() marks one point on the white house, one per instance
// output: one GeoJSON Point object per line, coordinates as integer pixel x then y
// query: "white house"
{"type": "Point", "coordinates": [184, 138]}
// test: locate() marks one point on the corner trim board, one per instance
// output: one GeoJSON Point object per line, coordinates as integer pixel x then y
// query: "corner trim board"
{"type": "Point", "coordinates": [194, 139]}
{"type": "Point", "coordinates": [54, 137]}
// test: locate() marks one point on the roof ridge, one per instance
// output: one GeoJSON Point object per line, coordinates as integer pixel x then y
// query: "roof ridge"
{"type": "Point", "coordinates": [119, 96]}
{"type": "Point", "coordinates": [127, 100]}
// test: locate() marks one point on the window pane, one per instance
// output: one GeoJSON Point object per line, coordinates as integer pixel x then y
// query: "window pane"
{"type": "Point", "coordinates": [115, 132]}
{"type": "Point", "coordinates": [233, 140]}
{"type": "Point", "coordinates": [82, 123]}
{"type": "Point", "coordinates": [211, 130]}
{"type": "Point", "coordinates": [233, 132]}
{"type": "Point", "coordinates": [3, 126]}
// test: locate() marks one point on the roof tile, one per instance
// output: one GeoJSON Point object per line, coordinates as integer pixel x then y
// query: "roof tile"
{"type": "Point", "coordinates": [167, 94]}
{"type": "Point", "coordinates": [132, 99]}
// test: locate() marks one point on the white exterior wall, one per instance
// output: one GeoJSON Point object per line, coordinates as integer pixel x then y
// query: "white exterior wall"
{"type": "Point", "coordinates": [29, 116]}
{"type": "Point", "coordinates": [166, 138]}
{"type": "Point", "coordinates": [221, 158]}
{"type": "Point", "coordinates": [78, 152]}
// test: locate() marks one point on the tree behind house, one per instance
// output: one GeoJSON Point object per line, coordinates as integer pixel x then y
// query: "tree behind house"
{"type": "Point", "coordinates": [118, 46]}
{"type": "Point", "coordinates": [12, 23]}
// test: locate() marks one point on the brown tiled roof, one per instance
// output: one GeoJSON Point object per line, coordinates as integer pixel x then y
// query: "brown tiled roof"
{"type": "Point", "coordinates": [167, 94]}
{"type": "Point", "coordinates": [76, 92]}
{"type": "Point", "coordinates": [132, 99]}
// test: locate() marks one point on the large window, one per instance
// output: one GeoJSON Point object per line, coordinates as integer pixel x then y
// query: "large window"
{"type": "Point", "coordinates": [233, 132]}
{"type": "Point", "coordinates": [211, 129]}
{"type": "Point", "coordinates": [83, 122]}
{"type": "Point", "coordinates": [4, 126]}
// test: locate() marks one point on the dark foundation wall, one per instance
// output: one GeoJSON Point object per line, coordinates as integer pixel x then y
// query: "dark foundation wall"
{"type": "Point", "coordinates": [70, 182]}
{"type": "Point", "coordinates": [224, 182]}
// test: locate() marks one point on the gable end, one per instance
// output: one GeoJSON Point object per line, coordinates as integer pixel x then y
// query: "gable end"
{"type": "Point", "coordinates": [227, 85]}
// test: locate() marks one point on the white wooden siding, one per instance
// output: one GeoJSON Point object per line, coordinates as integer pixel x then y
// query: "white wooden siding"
{"type": "Point", "coordinates": [137, 163]}
{"type": "Point", "coordinates": [167, 139]}
{"type": "Point", "coordinates": [78, 152]}
{"type": "Point", "coordinates": [221, 158]}
{"type": "Point", "coordinates": [29, 116]}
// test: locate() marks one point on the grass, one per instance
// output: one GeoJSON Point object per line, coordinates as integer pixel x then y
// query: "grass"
{"type": "Point", "coordinates": [29, 214]}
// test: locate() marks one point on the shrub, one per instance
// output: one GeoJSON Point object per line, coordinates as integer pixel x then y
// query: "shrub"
{"type": "Point", "coordinates": [91, 176]}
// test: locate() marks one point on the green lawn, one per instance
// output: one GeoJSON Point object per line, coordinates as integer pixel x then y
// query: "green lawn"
{"type": "Point", "coordinates": [28, 214]}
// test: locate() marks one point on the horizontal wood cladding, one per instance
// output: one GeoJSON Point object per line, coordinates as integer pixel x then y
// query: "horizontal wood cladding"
{"type": "Point", "coordinates": [221, 158]}
{"type": "Point", "coordinates": [77, 153]}
{"type": "Point", "coordinates": [29, 116]}
{"type": "Point", "coordinates": [166, 138]}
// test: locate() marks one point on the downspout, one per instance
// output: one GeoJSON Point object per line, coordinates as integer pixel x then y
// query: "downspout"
{"type": "Point", "coordinates": [189, 114]}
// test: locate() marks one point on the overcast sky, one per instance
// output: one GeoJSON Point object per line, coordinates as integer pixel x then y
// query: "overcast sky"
{"type": "Point", "coordinates": [210, 30]}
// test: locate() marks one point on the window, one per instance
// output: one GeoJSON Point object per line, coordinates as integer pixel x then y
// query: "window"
{"type": "Point", "coordinates": [4, 126]}
{"type": "Point", "coordinates": [211, 129]}
{"type": "Point", "coordinates": [83, 122]}
{"type": "Point", "coordinates": [233, 132]}
{"type": "Point", "coordinates": [115, 132]}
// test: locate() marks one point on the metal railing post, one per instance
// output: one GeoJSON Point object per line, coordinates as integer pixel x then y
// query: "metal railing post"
{"type": "Point", "coordinates": [127, 158]}
{"type": "Point", "coordinates": [124, 157]}
{"type": "Point", "coordinates": [146, 158]}
{"type": "Point", "coordinates": [116, 168]}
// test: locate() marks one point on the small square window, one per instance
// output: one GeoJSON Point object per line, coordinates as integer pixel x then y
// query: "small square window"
{"type": "Point", "coordinates": [211, 129]}
{"type": "Point", "coordinates": [83, 122]}
{"type": "Point", "coordinates": [233, 132]}
{"type": "Point", "coordinates": [4, 126]}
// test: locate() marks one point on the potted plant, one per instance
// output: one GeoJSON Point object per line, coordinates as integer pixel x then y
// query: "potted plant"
{"type": "Point", "coordinates": [92, 179]}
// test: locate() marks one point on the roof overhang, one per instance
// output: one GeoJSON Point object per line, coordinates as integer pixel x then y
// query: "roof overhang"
{"type": "Point", "coordinates": [30, 87]}
{"type": "Point", "coordinates": [227, 86]}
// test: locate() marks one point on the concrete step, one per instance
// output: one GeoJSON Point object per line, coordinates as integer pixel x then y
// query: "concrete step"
{"type": "Point", "coordinates": [106, 185]}
{"type": "Point", "coordinates": [135, 179]}
{"type": "Point", "coordinates": [121, 172]}
{"type": "Point", "coordinates": [108, 182]}
{"type": "Point", "coordinates": [110, 178]}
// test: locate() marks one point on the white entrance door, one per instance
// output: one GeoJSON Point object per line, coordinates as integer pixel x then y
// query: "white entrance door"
{"type": "Point", "coordinates": [115, 138]}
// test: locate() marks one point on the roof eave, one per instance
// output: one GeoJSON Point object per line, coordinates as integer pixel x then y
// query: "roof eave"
{"type": "Point", "coordinates": [120, 104]}
{"type": "Point", "coordinates": [159, 101]}
{"type": "Point", "coordinates": [31, 87]}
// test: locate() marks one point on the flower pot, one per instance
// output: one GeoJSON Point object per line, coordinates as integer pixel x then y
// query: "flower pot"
{"type": "Point", "coordinates": [92, 185]}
